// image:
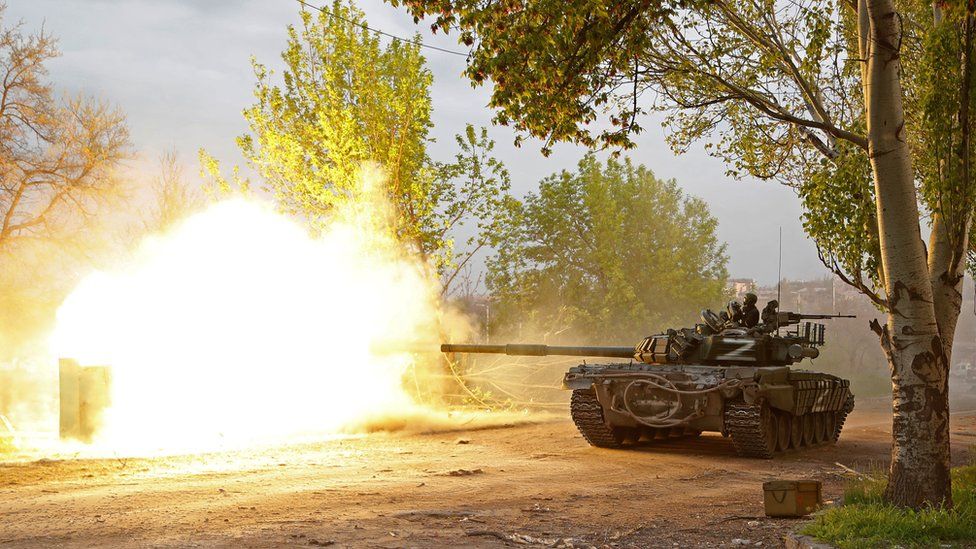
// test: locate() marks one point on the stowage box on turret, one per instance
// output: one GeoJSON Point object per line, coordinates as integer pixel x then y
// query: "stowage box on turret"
{"type": "Point", "coordinates": [722, 375]}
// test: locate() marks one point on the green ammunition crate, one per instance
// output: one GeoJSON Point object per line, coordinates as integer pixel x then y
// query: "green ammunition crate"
{"type": "Point", "coordinates": [791, 498]}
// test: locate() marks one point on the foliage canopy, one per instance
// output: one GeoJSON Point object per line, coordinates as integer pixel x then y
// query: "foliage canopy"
{"type": "Point", "coordinates": [608, 253]}
{"type": "Point", "coordinates": [344, 99]}
{"type": "Point", "coordinates": [773, 88]}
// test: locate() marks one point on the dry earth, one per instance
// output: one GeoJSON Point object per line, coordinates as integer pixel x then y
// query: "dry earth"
{"type": "Point", "coordinates": [536, 484]}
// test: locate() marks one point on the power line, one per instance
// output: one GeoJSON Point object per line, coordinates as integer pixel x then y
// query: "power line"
{"type": "Point", "coordinates": [394, 37]}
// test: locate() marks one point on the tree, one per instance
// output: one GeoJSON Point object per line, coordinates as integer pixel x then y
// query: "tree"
{"type": "Point", "coordinates": [58, 163]}
{"type": "Point", "coordinates": [56, 157]}
{"type": "Point", "coordinates": [172, 198]}
{"type": "Point", "coordinates": [810, 93]}
{"type": "Point", "coordinates": [606, 254]}
{"type": "Point", "coordinates": [473, 189]}
{"type": "Point", "coordinates": [346, 99]}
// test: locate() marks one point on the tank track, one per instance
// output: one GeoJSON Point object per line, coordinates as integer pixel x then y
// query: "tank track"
{"type": "Point", "coordinates": [588, 416]}
{"type": "Point", "coordinates": [753, 429]}
{"type": "Point", "coordinates": [744, 423]}
{"type": "Point", "coordinates": [842, 416]}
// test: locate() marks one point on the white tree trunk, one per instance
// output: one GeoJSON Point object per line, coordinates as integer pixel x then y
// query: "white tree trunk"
{"type": "Point", "coordinates": [947, 262]}
{"type": "Point", "coordinates": [919, 472]}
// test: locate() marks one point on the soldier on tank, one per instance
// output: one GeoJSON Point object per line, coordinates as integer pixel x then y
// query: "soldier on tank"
{"type": "Point", "coordinates": [769, 313]}
{"type": "Point", "coordinates": [750, 313]}
{"type": "Point", "coordinates": [735, 317]}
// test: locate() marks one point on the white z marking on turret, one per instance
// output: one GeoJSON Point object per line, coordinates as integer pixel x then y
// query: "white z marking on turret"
{"type": "Point", "coordinates": [742, 352]}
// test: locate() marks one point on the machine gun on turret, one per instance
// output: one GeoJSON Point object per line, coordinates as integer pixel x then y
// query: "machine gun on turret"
{"type": "Point", "coordinates": [812, 333]}
{"type": "Point", "coordinates": [786, 318]}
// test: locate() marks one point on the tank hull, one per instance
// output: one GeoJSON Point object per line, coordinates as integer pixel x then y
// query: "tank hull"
{"type": "Point", "coordinates": [765, 409]}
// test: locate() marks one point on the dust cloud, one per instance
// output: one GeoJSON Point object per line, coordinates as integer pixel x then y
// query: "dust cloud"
{"type": "Point", "coordinates": [236, 327]}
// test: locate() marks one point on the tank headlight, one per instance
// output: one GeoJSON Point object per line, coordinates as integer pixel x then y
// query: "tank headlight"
{"type": "Point", "coordinates": [795, 351]}
{"type": "Point", "coordinates": [799, 351]}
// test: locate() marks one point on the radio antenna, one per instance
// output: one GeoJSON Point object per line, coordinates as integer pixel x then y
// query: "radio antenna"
{"type": "Point", "coordinates": [779, 275]}
{"type": "Point", "coordinates": [779, 272]}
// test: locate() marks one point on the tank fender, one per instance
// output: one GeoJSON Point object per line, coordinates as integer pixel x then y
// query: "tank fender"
{"type": "Point", "coordinates": [575, 381]}
{"type": "Point", "coordinates": [748, 374]}
{"type": "Point", "coordinates": [781, 397]}
{"type": "Point", "coordinates": [775, 388]}
{"type": "Point", "coordinates": [741, 372]}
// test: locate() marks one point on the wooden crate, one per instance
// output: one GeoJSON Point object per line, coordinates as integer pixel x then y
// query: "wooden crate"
{"type": "Point", "coordinates": [791, 498]}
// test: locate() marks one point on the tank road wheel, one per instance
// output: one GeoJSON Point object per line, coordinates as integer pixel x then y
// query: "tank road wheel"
{"type": "Point", "coordinates": [683, 432]}
{"type": "Point", "coordinates": [818, 428]}
{"type": "Point", "coordinates": [783, 431]}
{"type": "Point", "coordinates": [588, 417]}
{"type": "Point", "coordinates": [807, 422]}
{"type": "Point", "coordinates": [828, 431]}
{"type": "Point", "coordinates": [646, 434]}
{"type": "Point", "coordinates": [752, 429]}
{"type": "Point", "coordinates": [831, 427]}
{"type": "Point", "coordinates": [628, 435]}
{"type": "Point", "coordinates": [796, 432]}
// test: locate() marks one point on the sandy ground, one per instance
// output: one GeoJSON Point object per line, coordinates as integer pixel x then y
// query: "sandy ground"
{"type": "Point", "coordinates": [536, 484]}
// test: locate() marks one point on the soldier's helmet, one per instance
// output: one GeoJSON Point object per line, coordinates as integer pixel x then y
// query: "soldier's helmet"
{"type": "Point", "coordinates": [750, 299]}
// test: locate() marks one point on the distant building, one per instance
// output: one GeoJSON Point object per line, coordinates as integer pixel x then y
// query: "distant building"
{"type": "Point", "coordinates": [739, 286]}
{"type": "Point", "coordinates": [823, 295]}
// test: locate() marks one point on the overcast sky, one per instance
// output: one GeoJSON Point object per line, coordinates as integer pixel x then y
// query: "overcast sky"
{"type": "Point", "coordinates": [180, 70]}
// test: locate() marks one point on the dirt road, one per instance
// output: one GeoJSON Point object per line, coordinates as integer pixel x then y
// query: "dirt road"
{"type": "Point", "coordinates": [476, 488]}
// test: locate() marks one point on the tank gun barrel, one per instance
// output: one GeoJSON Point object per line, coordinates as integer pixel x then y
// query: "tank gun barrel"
{"type": "Point", "coordinates": [539, 350]}
{"type": "Point", "coordinates": [819, 317]}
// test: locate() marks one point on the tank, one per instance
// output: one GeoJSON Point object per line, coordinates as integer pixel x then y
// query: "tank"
{"type": "Point", "coordinates": [717, 376]}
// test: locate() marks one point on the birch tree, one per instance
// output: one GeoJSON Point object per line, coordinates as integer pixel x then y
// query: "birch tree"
{"type": "Point", "coordinates": [861, 105]}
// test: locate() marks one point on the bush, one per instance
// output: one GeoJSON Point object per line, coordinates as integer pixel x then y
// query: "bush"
{"type": "Point", "coordinates": [865, 520]}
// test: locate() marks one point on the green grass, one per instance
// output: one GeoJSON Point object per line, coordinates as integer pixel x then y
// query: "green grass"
{"type": "Point", "coordinates": [866, 521]}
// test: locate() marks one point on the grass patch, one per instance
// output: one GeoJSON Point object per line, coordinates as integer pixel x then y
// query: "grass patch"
{"type": "Point", "coordinates": [865, 520]}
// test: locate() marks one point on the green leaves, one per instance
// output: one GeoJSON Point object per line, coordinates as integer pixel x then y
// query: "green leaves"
{"type": "Point", "coordinates": [471, 190]}
{"type": "Point", "coordinates": [839, 214]}
{"type": "Point", "coordinates": [552, 62]}
{"type": "Point", "coordinates": [608, 253]}
{"type": "Point", "coordinates": [772, 88]}
{"type": "Point", "coordinates": [342, 99]}
{"type": "Point", "coordinates": [943, 101]}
